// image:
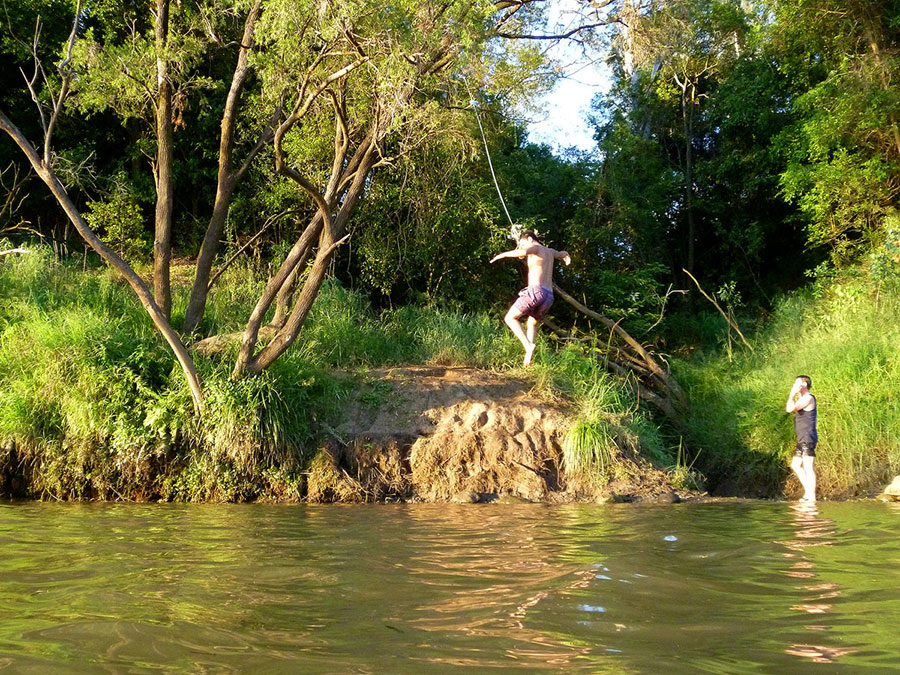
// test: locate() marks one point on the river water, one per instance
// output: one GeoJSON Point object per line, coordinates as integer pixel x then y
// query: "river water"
{"type": "Point", "coordinates": [722, 587]}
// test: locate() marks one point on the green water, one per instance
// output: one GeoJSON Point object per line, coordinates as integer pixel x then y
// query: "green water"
{"type": "Point", "coordinates": [732, 587]}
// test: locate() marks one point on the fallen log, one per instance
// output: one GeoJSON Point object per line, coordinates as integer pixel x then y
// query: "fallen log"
{"type": "Point", "coordinates": [629, 359]}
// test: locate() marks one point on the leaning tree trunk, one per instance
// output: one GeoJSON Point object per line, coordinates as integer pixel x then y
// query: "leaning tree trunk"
{"type": "Point", "coordinates": [162, 240]}
{"type": "Point", "coordinates": [324, 227]}
{"type": "Point", "coordinates": [140, 289]}
{"type": "Point", "coordinates": [299, 251]}
{"type": "Point", "coordinates": [327, 246]}
{"type": "Point", "coordinates": [331, 232]}
{"type": "Point", "coordinates": [285, 297]}
{"type": "Point", "coordinates": [228, 178]}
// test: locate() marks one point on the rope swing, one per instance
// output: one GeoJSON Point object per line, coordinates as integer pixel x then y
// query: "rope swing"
{"type": "Point", "coordinates": [514, 229]}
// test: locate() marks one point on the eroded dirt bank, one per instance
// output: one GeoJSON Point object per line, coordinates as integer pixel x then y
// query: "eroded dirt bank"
{"type": "Point", "coordinates": [462, 434]}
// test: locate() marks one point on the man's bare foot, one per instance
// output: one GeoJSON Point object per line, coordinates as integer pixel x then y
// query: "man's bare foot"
{"type": "Point", "coordinates": [529, 352]}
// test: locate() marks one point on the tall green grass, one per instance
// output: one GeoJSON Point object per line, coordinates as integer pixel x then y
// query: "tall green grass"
{"type": "Point", "coordinates": [844, 335]}
{"type": "Point", "coordinates": [93, 405]}
{"type": "Point", "coordinates": [609, 428]}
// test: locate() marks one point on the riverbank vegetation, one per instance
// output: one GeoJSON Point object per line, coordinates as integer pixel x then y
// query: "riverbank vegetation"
{"type": "Point", "coordinates": [91, 405]}
{"type": "Point", "coordinates": [283, 195]}
{"type": "Point", "coordinates": [844, 330]}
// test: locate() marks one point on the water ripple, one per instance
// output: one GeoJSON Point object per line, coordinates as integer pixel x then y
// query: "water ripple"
{"type": "Point", "coordinates": [721, 588]}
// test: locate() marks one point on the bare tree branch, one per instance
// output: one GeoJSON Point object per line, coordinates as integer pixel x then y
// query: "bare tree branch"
{"type": "Point", "coordinates": [270, 221]}
{"type": "Point", "coordinates": [731, 322]}
{"type": "Point", "coordinates": [66, 75]}
{"type": "Point", "coordinates": [555, 36]}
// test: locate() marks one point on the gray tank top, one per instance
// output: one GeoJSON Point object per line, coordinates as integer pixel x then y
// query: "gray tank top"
{"type": "Point", "coordinates": [805, 424]}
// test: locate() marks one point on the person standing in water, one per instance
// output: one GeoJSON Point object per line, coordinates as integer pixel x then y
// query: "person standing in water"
{"type": "Point", "coordinates": [535, 299]}
{"type": "Point", "coordinates": [803, 405]}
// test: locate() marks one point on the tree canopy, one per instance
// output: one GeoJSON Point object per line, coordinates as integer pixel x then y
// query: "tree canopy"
{"type": "Point", "coordinates": [745, 141]}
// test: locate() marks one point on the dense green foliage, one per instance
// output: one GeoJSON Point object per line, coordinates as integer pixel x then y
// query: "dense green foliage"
{"type": "Point", "coordinates": [91, 407]}
{"type": "Point", "coordinates": [754, 143]}
{"type": "Point", "coordinates": [843, 333]}
{"type": "Point", "coordinates": [748, 141]}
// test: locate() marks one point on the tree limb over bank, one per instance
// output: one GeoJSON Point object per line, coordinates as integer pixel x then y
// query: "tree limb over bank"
{"type": "Point", "coordinates": [626, 357]}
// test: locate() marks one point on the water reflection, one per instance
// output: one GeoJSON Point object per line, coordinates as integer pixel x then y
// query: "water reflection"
{"type": "Point", "coordinates": [488, 572]}
{"type": "Point", "coordinates": [733, 587]}
{"type": "Point", "coordinates": [812, 531]}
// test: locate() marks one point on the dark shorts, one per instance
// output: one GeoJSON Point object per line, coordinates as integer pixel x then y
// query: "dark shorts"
{"type": "Point", "coordinates": [805, 449]}
{"type": "Point", "coordinates": [534, 301]}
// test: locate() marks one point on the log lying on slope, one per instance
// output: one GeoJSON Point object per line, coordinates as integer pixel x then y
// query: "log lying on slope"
{"type": "Point", "coordinates": [628, 358]}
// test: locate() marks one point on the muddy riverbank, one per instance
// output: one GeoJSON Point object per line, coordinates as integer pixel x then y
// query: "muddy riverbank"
{"type": "Point", "coordinates": [437, 434]}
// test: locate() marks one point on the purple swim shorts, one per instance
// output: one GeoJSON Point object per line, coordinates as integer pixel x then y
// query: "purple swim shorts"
{"type": "Point", "coordinates": [534, 301]}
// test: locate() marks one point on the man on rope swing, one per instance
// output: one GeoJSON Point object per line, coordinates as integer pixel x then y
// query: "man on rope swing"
{"type": "Point", "coordinates": [803, 405]}
{"type": "Point", "coordinates": [535, 299]}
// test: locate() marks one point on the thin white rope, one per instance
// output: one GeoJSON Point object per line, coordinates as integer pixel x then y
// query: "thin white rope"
{"type": "Point", "coordinates": [487, 152]}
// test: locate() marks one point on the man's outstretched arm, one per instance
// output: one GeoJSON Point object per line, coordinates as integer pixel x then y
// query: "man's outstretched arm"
{"type": "Point", "coordinates": [562, 255]}
{"type": "Point", "coordinates": [515, 253]}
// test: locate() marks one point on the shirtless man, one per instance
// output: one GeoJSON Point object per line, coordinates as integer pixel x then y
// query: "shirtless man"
{"type": "Point", "coordinates": [535, 299]}
{"type": "Point", "coordinates": [803, 405]}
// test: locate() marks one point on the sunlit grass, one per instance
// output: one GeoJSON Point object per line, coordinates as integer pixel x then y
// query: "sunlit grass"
{"type": "Point", "coordinates": [843, 336]}
{"type": "Point", "coordinates": [92, 404]}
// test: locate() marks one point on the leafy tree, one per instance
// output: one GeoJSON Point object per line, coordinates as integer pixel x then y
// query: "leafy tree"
{"type": "Point", "coordinates": [843, 150]}
{"type": "Point", "coordinates": [148, 72]}
{"type": "Point", "coordinates": [339, 91]}
{"type": "Point", "coordinates": [429, 228]}
{"type": "Point", "coordinates": [685, 46]}
{"type": "Point", "coordinates": [687, 141]}
{"type": "Point", "coordinates": [42, 162]}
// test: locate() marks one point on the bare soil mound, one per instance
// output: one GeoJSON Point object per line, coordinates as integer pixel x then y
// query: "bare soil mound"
{"type": "Point", "coordinates": [460, 434]}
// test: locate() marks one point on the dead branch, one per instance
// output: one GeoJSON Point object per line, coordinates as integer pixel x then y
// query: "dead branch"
{"type": "Point", "coordinates": [271, 220]}
{"type": "Point", "coordinates": [14, 197]}
{"type": "Point", "coordinates": [731, 322]}
{"type": "Point", "coordinates": [662, 310]}
{"type": "Point", "coordinates": [648, 360]}
{"type": "Point", "coordinates": [637, 375]}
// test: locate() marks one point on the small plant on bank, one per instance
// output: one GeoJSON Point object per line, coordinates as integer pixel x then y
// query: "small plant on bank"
{"type": "Point", "coordinates": [608, 424]}
{"type": "Point", "coordinates": [590, 448]}
{"type": "Point", "coordinates": [683, 474]}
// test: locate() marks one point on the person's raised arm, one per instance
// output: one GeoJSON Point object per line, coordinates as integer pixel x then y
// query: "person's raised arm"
{"type": "Point", "coordinates": [793, 402]}
{"type": "Point", "coordinates": [800, 403]}
{"type": "Point", "coordinates": [791, 399]}
{"type": "Point", "coordinates": [515, 253]}
{"type": "Point", "coordinates": [562, 255]}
